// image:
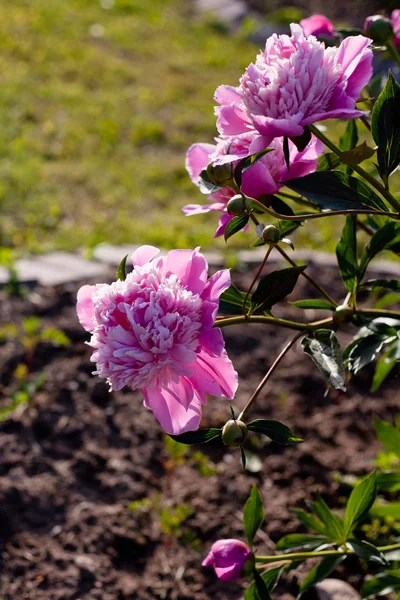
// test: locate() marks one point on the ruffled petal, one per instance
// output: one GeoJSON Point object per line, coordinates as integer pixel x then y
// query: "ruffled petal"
{"type": "Point", "coordinates": [85, 306]}
{"type": "Point", "coordinates": [143, 255]}
{"type": "Point", "coordinates": [197, 158]}
{"type": "Point", "coordinates": [221, 369]}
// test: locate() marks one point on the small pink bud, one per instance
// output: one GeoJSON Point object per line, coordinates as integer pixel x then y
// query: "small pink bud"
{"type": "Point", "coordinates": [317, 25]}
{"type": "Point", "coordinates": [378, 28]}
{"type": "Point", "coordinates": [230, 559]}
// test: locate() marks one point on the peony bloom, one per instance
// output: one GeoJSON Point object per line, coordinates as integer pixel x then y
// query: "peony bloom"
{"type": "Point", "coordinates": [229, 558]}
{"type": "Point", "coordinates": [395, 19]}
{"type": "Point", "coordinates": [154, 331]}
{"type": "Point", "coordinates": [317, 25]}
{"type": "Point", "coordinates": [265, 177]}
{"type": "Point", "coordinates": [296, 81]}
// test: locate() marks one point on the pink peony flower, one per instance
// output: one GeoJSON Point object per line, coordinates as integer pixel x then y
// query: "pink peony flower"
{"type": "Point", "coordinates": [154, 331]}
{"type": "Point", "coordinates": [265, 177]}
{"type": "Point", "coordinates": [395, 19]}
{"type": "Point", "coordinates": [317, 25]}
{"type": "Point", "coordinates": [228, 557]}
{"type": "Point", "coordinates": [296, 81]}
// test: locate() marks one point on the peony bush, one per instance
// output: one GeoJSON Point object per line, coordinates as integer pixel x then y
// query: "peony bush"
{"type": "Point", "coordinates": [159, 327]}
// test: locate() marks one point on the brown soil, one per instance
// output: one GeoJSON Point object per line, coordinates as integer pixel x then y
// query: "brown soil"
{"type": "Point", "coordinates": [75, 461]}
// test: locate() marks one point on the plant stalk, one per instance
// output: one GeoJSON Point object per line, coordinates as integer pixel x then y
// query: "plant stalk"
{"type": "Point", "coordinates": [256, 276]}
{"type": "Point", "coordinates": [295, 325]}
{"type": "Point", "coordinates": [304, 555]}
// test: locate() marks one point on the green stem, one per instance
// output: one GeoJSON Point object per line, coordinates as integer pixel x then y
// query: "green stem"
{"type": "Point", "coordinates": [393, 52]}
{"type": "Point", "coordinates": [296, 326]}
{"type": "Point", "coordinates": [268, 375]}
{"type": "Point", "coordinates": [303, 555]}
{"type": "Point", "coordinates": [308, 277]}
{"type": "Point", "coordinates": [376, 312]}
{"type": "Point", "coordinates": [256, 276]}
{"type": "Point", "coordinates": [364, 174]}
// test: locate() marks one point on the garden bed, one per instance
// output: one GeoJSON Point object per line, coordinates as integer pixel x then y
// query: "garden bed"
{"type": "Point", "coordinates": [95, 504]}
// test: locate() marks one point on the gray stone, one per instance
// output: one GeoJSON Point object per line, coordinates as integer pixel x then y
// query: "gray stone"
{"type": "Point", "coordinates": [112, 255]}
{"type": "Point", "coordinates": [58, 268]}
{"type": "Point", "coordinates": [336, 589]}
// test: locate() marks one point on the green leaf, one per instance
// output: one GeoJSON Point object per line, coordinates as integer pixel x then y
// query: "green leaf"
{"type": "Point", "coordinates": [387, 510]}
{"type": "Point", "coordinates": [310, 521]}
{"type": "Point", "coordinates": [356, 155]}
{"type": "Point", "coordinates": [302, 141]}
{"type": "Point", "coordinates": [281, 207]}
{"type": "Point", "coordinates": [335, 190]}
{"type": "Point", "coordinates": [201, 436]}
{"type": "Point", "coordinates": [231, 301]}
{"type": "Point", "coordinates": [388, 234]}
{"type": "Point", "coordinates": [316, 304]}
{"type": "Point", "coordinates": [270, 578]}
{"type": "Point", "coordinates": [243, 457]}
{"type": "Point", "coordinates": [274, 287]}
{"type": "Point", "coordinates": [360, 501]}
{"type": "Point", "coordinates": [346, 252]}
{"type": "Point", "coordinates": [300, 540]}
{"type": "Point", "coordinates": [386, 128]}
{"type": "Point", "coordinates": [206, 186]}
{"type": "Point", "coordinates": [121, 271]}
{"type": "Point", "coordinates": [286, 227]}
{"type": "Point", "coordinates": [389, 481]}
{"type": "Point", "coordinates": [320, 572]}
{"type": "Point", "coordinates": [333, 523]}
{"type": "Point", "coordinates": [364, 348]}
{"type": "Point", "coordinates": [253, 514]}
{"type": "Point", "coordinates": [384, 583]}
{"type": "Point", "coordinates": [278, 432]}
{"type": "Point", "coordinates": [246, 163]}
{"type": "Point", "coordinates": [236, 224]}
{"type": "Point", "coordinates": [349, 139]}
{"type": "Point", "coordinates": [388, 436]}
{"type": "Point", "coordinates": [367, 551]}
{"type": "Point", "coordinates": [324, 350]}
{"type": "Point", "coordinates": [328, 161]}
{"type": "Point", "coordinates": [286, 151]}
{"type": "Point", "coordinates": [384, 284]}
{"type": "Point", "coordinates": [383, 368]}
{"type": "Point", "coordinates": [261, 589]}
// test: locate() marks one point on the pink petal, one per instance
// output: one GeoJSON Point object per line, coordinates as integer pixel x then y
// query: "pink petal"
{"type": "Point", "coordinates": [232, 120]}
{"type": "Point", "coordinates": [85, 306]}
{"type": "Point", "coordinates": [226, 94]}
{"type": "Point", "coordinates": [217, 283]}
{"type": "Point", "coordinates": [221, 369]}
{"type": "Point", "coordinates": [258, 181]}
{"type": "Point", "coordinates": [143, 255]}
{"type": "Point", "coordinates": [350, 52]}
{"type": "Point", "coordinates": [317, 25]}
{"type": "Point", "coordinates": [271, 128]}
{"type": "Point", "coordinates": [189, 266]}
{"type": "Point", "coordinates": [197, 159]}
{"type": "Point", "coordinates": [230, 573]}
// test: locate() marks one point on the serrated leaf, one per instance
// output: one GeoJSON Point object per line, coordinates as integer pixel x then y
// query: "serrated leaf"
{"type": "Point", "coordinates": [253, 514]}
{"type": "Point", "coordinates": [384, 284]}
{"type": "Point", "coordinates": [346, 252]}
{"type": "Point", "coordinates": [388, 436]}
{"type": "Point", "coordinates": [367, 551]}
{"type": "Point", "coordinates": [360, 501]}
{"type": "Point", "coordinates": [121, 271]}
{"type": "Point", "coordinates": [333, 523]}
{"type": "Point", "coordinates": [314, 303]}
{"type": "Point", "coordinates": [276, 431]}
{"type": "Point", "coordinates": [384, 583]}
{"type": "Point", "coordinates": [201, 436]}
{"type": "Point", "coordinates": [205, 184]}
{"type": "Point", "coordinates": [301, 541]}
{"type": "Point", "coordinates": [387, 510]}
{"type": "Point", "coordinates": [231, 301]}
{"type": "Point", "coordinates": [274, 287]}
{"type": "Point", "coordinates": [324, 349]}
{"type": "Point", "coordinates": [385, 123]}
{"type": "Point", "coordinates": [236, 224]}
{"type": "Point", "coordinates": [389, 233]}
{"type": "Point", "coordinates": [356, 155]}
{"type": "Point", "coordinates": [335, 190]}
{"type": "Point", "coordinates": [270, 578]}
{"type": "Point", "coordinates": [320, 572]}
{"type": "Point", "coordinates": [310, 521]}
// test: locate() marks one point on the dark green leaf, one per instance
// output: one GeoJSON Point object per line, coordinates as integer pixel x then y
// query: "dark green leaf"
{"type": "Point", "coordinates": [201, 436]}
{"type": "Point", "coordinates": [387, 510]}
{"type": "Point", "coordinates": [333, 523]}
{"type": "Point", "coordinates": [278, 432]}
{"type": "Point", "coordinates": [236, 224]}
{"type": "Point", "coordinates": [206, 186]}
{"type": "Point", "coordinates": [310, 521]}
{"type": "Point", "coordinates": [253, 514]}
{"type": "Point", "coordinates": [274, 287]}
{"type": "Point", "coordinates": [386, 127]}
{"type": "Point", "coordinates": [316, 304]}
{"type": "Point", "coordinates": [383, 368]}
{"type": "Point", "coordinates": [367, 551]}
{"type": "Point", "coordinates": [349, 139]}
{"type": "Point", "coordinates": [270, 578]}
{"type": "Point", "coordinates": [346, 252]}
{"type": "Point", "coordinates": [356, 155]}
{"type": "Point", "coordinates": [384, 284]}
{"type": "Point", "coordinates": [335, 190]}
{"type": "Point", "coordinates": [379, 241]}
{"type": "Point", "coordinates": [246, 163]}
{"type": "Point", "coordinates": [286, 227]}
{"type": "Point", "coordinates": [388, 436]}
{"type": "Point", "coordinates": [364, 349]}
{"type": "Point", "coordinates": [328, 161]}
{"type": "Point", "coordinates": [384, 583]}
{"type": "Point", "coordinates": [389, 481]}
{"type": "Point", "coordinates": [324, 349]}
{"type": "Point", "coordinates": [243, 457]}
{"type": "Point", "coordinates": [300, 540]}
{"type": "Point", "coordinates": [281, 207]}
{"type": "Point", "coordinates": [231, 301]}
{"type": "Point", "coordinates": [121, 271]}
{"type": "Point", "coordinates": [320, 572]}
{"type": "Point", "coordinates": [286, 152]}
{"type": "Point", "coordinates": [361, 499]}
{"type": "Point", "coordinates": [302, 141]}
{"type": "Point", "coordinates": [261, 589]}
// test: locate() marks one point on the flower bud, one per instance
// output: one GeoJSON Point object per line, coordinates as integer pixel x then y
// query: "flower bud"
{"type": "Point", "coordinates": [220, 174]}
{"type": "Point", "coordinates": [236, 205]}
{"type": "Point", "coordinates": [234, 433]}
{"type": "Point", "coordinates": [379, 29]}
{"type": "Point", "coordinates": [230, 558]}
{"type": "Point", "coordinates": [271, 234]}
{"type": "Point", "coordinates": [343, 314]}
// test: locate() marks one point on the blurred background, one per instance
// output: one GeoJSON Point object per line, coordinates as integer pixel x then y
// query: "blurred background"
{"type": "Point", "coordinates": [100, 100]}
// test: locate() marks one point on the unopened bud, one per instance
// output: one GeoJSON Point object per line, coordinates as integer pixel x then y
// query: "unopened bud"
{"type": "Point", "coordinates": [343, 314]}
{"type": "Point", "coordinates": [379, 29]}
{"type": "Point", "coordinates": [234, 433]}
{"type": "Point", "coordinates": [271, 234]}
{"type": "Point", "coordinates": [220, 174]}
{"type": "Point", "coordinates": [236, 205]}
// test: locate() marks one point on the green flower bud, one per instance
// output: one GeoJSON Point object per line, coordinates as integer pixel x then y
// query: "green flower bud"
{"type": "Point", "coordinates": [236, 205]}
{"type": "Point", "coordinates": [343, 314]}
{"type": "Point", "coordinates": [220, 174]}
{"type": "Point", "coordinates": [234, 433]}
{"type": "Point", "coordinates": [271, 234]}
{"type": "Point", "coordinates": [379, 29]}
